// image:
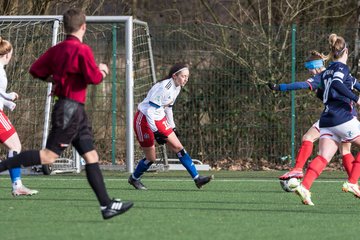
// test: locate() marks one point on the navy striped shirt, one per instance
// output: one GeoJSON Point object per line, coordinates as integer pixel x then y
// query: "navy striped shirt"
{"type": "Point", "coordinates": [337, 83]}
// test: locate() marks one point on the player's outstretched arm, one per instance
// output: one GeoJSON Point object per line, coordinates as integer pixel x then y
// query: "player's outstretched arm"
{"type": "Point", "coordinates": [289, 86]}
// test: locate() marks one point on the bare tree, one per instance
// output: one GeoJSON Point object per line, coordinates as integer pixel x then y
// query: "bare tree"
{"type": "Point", "coordinates": [254, 35]}
{"type": "Point", "coordinates": [56, 7]}
{"type": "Point", "coordinates": [258, 25]}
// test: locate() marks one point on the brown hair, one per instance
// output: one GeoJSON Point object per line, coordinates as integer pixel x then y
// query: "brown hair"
{"type": "Point", "coordinates": [73, 20]}
{"type": "Point", "coordinates": [315, 55]}
{"type": "Point", "coordinates": [175, 69]}
{"type": "Point", "coordinates": [337, 46]}
{"type": "Point", "coordinates": [5, 46]}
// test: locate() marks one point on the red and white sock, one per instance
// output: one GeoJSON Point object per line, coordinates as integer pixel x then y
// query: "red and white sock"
{"type": "Point", "coordinates": [304, 153]}
{"type": "Point", "coordinates": [347, 161]}
{"type": "Point", "coordinates": [314, 170]}
{"type": "Point", "coordinates": [355, 172]}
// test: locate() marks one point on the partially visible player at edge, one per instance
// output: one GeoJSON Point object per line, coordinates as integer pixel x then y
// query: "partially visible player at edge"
{"type": "Point", "coordinates": [154, 121]}
{"type": "Point", "coordinates": [315, 66]}
{"type": "Point", "coordinates": [8, 134]}
{"type": "Point", "coordinates": [337, 123]}
{"type": "Point", "coordinates": [71, 66]}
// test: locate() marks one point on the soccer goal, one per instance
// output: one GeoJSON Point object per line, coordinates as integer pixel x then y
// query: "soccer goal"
{"type": "Point", "coordinates": [124, 44]}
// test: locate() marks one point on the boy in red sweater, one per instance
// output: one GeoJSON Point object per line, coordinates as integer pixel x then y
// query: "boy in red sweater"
{"type": "Point", "coordinates": [71, 66]}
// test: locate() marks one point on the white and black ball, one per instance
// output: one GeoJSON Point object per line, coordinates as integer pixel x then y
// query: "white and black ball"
{"type": "Point", "coordinates": [289, 185]}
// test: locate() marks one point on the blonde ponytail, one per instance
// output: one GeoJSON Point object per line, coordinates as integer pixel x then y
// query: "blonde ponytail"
{"type": "Point", "coordinates": [337, 47]}
{"type": "Point", "coordinates": [332, 39]}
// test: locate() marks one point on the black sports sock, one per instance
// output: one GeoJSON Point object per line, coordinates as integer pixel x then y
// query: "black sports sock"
{"type": "Point", "coordinates": [96, 181]}
{"type": "Point", "coordinates": [24, 159]}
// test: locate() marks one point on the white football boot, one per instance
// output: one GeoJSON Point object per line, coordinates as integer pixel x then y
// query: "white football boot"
{"type": "Point", "coordinates": [304, 195]}
{"type": "Point", "coordinates": [351, 188]}
{"type": "Point", "coordinates": [23, 191]}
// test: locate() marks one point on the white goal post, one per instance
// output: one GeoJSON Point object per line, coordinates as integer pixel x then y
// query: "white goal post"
{"type": "Point", "coordinates": [123, 43]}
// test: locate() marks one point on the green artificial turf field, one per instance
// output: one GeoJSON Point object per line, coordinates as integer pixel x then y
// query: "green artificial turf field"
{"type": "Point", "coordinates": [236, 205]}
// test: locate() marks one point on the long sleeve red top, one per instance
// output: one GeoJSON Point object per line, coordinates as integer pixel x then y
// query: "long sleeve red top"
{"type": "Point", "coordinates": [72, 66]}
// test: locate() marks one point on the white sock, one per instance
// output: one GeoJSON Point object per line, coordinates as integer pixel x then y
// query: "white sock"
{"type": "Point", "coordinates": [17, 184]}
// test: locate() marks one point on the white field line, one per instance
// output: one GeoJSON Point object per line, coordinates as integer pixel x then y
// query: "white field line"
{"type": "Point", "coordinates": [167, 179]}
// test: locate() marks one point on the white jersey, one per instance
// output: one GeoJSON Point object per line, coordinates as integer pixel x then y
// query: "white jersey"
{"type": "Point", "coordinates": [158, 103]}
{"type": "Point", "coordinates": [5, 98]}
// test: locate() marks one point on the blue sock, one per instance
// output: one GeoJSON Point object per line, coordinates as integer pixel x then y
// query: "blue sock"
{"type": "Point", "coordinates": [186, 160]}
{"type": "Point", "coordinates": [142, 167]}
{"type": "Point", "coordinates": [15, 173]}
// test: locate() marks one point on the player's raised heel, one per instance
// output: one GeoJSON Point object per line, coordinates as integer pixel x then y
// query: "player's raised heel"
{"type": "Point", "coordinates": [304, 195]}
{"type": "Point", "coordinates": [23, 191]}
{"type": "Point", "coordinates": [116, 207]}
{"type": "Point", "coordinates": [351, 188]}
{"type": "Point", "coordinates": [137, 184]}
{"type": "Point", "coordinates": [202, 180]}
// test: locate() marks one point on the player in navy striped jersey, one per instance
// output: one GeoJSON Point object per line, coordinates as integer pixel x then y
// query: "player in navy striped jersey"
{"type": "Point", "coordinates": [337, 122]}
{"type": "Point", "coordinates": [154, 121]}
{"type": "Point", "coordinates": [315, 65]}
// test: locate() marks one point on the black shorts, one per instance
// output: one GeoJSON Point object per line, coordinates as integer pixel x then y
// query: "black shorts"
{"type": "Point", "coordinates": [70, 125]}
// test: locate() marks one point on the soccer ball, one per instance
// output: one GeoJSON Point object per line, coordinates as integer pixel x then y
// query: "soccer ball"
{"type": "Point", "coordinates": [289, 185]}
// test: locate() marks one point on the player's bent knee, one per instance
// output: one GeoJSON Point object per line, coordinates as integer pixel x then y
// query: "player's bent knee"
{"type": "Point", "coordinates": [48, 156]}
{"type": "Point", "coordinates": [91, 157]}
{"type": "Point", "coordinates": [48, 160]}
{"type": "Point", "coordinates": [175, 147]}
{"type": "Point", "coordinates": [309, 137]}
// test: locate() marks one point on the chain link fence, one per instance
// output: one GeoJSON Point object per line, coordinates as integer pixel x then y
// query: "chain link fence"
{"type": "Point", "coordinates": [226, 111]}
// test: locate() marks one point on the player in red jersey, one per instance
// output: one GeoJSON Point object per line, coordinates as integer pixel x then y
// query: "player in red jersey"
{"type": "Point", "coordinates": [71, 66]}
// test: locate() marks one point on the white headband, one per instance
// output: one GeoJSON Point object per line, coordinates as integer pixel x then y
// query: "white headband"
{"type": "Point", "coordinates": [181, 69]}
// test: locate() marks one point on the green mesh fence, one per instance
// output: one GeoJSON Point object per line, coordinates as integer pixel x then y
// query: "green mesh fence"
{"type": "Point", "coordinates": [106, 107]}
{"type": "Point", "coordinates": [105, 102]}
{"type": "Point", "coordinates": [29, 40]}
{"type": "Point", "coordinates": [225, 112]}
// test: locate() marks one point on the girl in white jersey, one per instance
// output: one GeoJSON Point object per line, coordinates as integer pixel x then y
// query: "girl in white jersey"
{"type": "Point", "coordinates": [337, 123]}
{"type": "Point", "coordinates": [154, 121]}
{"type": "Point", "coordinates": [8, 134]}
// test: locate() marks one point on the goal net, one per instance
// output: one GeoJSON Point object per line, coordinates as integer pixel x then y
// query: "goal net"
{"type": "Point", "coordinates": [123, 43]}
